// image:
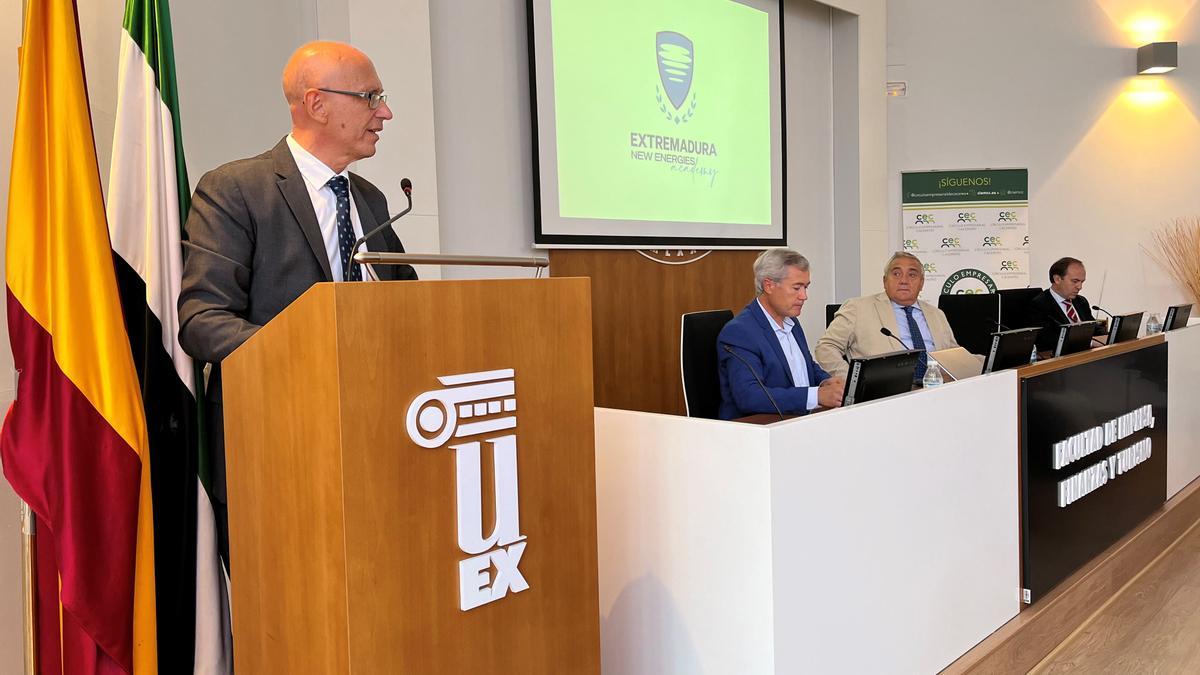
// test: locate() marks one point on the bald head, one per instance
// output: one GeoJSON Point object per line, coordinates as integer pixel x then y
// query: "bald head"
{"type": "Point", "coordinates": [314, 64]}
{"type": "Point", "coordinates": [327, 86]}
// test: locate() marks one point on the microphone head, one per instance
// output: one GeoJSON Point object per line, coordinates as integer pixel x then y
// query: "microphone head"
{"type": "Point", "coordinates": [1097, 308]}
{"type": "Point", "coordinates": [885, 331]}
{"type": "Point", "coordinates": [406, 185]}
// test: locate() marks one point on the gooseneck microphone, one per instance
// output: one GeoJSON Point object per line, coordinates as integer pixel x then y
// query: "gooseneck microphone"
{"type": "Point", "coordinates": [756, 378]}
{"type": "Point", "coordinates": [1098, 308]}
{"type": "Point", "coordinates": [406, 185]}
{"type": "Point", "coordinates": [885, 331]}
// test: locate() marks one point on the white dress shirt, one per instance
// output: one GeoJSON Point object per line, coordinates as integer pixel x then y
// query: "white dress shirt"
{"type": "Point", "coordinates": [316, 176]}
{"type": "Point", "coordinates": [791, 351]}
{"type": "Point", "coordinates": [1063, 308]}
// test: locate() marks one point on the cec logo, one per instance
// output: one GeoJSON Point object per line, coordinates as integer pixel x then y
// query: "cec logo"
{"type": "Point", "coordinates": [1008, 216]}
{"type": "Point", "coordinates": [911, 245]}
{"type": "Point", "coordinates": [676, 61]}
{"type": "Point", "coordinates": [1026, 241]}
{"type": "Point", "coordinates": [992, 241]}
{"type": "Point", "coordinates": [930, 268]}
{"type": "Point", "coordinates": [966, 217]}
{"type": "Point", "coordinates": [925, 219]}
{"type": "Point", "coordinates": [1010, 266]}
{"type": "Point", "coordinates": [951, 242]}
{"type": "Point", "coordinates": [489, 400]}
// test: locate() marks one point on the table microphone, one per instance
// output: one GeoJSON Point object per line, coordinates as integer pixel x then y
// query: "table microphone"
{"type": "Point", "coordinates": [1098, 308]}
{"type": "Point", "coordinates": [885, 331]}
{"type": "Point", "coordinates": [756, 378]}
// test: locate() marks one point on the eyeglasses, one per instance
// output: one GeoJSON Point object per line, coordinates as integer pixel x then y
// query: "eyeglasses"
{"type": "Point", "coordinates": [373, 98]}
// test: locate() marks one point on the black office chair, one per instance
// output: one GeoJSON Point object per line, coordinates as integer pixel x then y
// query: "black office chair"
{"type": "Point", "coordinates": [698, 361]}
{"type": "Point", "coordinates": [830, 312]}
{"type": "Point", "coordinates": [1014, 307]}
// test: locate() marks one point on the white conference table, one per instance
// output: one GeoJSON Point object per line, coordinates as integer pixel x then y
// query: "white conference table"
{"type": "Point", "coordinates": [882, 537]}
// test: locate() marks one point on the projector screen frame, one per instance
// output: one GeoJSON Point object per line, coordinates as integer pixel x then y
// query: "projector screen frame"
{"type": "Point", "coordinates": [545, 240]}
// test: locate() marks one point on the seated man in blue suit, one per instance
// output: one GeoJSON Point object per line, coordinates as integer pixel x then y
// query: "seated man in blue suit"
{"type": "Point", "coordinates": [766, 342]}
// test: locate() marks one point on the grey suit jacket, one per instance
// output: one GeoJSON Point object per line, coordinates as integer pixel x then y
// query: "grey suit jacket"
{"type": "Point", "coordinates": [253, 246]}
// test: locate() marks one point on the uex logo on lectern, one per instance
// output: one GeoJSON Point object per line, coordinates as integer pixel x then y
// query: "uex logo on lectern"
{"type": "Point", "coordinates": [488, 400]}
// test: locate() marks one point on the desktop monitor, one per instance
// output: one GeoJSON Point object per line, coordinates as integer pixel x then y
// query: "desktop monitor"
{"type": "Point", "coordinates": [1124, 327]}
{"type": "Point", "coordinates": [1075, 337]}
{"type": "Point", "coordinates": [880, 376]}
{"type": "Point", "coordinates": [1010, 348]}
{"type": "Point", "coordinates": [1177, 317]}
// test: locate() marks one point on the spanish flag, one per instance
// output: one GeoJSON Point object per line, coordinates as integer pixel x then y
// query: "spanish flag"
{"type": "Point", "coordinates": [74, 443]}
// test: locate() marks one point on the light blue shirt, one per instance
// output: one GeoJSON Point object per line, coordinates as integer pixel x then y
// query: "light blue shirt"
{"type": "Point", "coordinates": [905, 334]}
{"type": "Point", "coordinates": [791, 351]}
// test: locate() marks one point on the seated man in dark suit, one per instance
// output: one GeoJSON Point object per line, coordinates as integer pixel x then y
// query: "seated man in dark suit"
{"type": "Point", "coordinates": [765, 342]}
{"type": "Point", "coordinates": [1061, 303]}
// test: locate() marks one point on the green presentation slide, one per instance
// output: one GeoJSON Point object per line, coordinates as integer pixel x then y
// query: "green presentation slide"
{"type": "Point", "coordinates": [662, 110]}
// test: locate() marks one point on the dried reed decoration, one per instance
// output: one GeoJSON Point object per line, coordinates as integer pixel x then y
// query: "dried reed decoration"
{"type": "Point", "coordinates": [1177, 248]}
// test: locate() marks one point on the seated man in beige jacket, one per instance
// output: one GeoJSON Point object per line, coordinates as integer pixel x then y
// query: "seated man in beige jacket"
{"type": "Point", "coordinates": [855, 329]}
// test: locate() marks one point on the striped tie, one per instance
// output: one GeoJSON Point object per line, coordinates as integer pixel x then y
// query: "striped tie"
{"type": "Point", "coordinates": [1071, 314]}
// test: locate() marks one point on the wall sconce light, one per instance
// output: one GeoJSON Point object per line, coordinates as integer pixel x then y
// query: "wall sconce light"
{"type": "Point", "coordinates": [1157, 57]}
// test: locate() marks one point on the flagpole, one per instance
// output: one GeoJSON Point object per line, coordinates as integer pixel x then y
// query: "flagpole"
{"type": "Point", "coordinates": [27, 521]}
{"type": "Point", "coordinates": [30, 579]}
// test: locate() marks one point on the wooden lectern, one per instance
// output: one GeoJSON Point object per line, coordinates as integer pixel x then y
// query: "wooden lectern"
{"type": "Point", "coordinates": [411, 477]}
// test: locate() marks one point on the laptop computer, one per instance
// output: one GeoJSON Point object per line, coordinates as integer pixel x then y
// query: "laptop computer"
{"type": "Point", "coordinates": [959, 362]}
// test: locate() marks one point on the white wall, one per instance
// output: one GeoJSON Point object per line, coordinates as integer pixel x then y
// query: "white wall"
{"type": "Point", "coordinates": [808, 92]}
{"type": "Point", "coordinates": [484, 138]}
{"type": "Point", "coordinates": [1045, 85]}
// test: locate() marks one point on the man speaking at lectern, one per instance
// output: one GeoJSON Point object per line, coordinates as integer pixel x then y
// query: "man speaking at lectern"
{"type": "Point", "coordinates": [262, 230]}
{"type": "Point", "coordinates": [762, 356]}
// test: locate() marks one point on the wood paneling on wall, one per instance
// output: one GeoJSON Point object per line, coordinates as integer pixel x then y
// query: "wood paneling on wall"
{"type": "Point", "coordinates": [636, 305]}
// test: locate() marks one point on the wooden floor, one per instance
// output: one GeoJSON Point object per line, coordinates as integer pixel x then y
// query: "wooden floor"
{"type": "Point", "coordinates": [1151, 626]}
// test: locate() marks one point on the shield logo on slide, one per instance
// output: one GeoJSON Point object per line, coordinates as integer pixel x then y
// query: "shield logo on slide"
{"type": "Point", "coordinates": [675, 65]}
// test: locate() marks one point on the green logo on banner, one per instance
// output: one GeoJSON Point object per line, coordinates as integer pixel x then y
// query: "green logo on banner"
{"type": "Point", "coordinates": [968, 282]}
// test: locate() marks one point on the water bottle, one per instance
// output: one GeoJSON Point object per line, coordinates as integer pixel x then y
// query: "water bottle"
{"type": "Point", "coordinates": [933, 375]}
{"type": "Point", "coordinates": [1033, 355]}
{"type": "Point", "coordinates": [1153, 325]}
